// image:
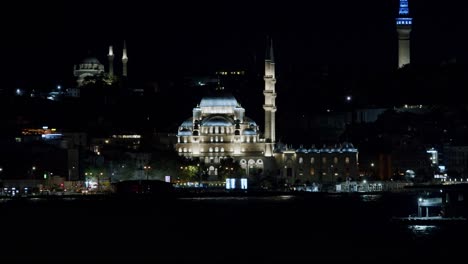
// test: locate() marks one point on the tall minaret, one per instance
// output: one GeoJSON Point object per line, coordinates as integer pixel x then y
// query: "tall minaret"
{"type": "Point", "coordinates": [111, 61]}
{"type": "Point", "coordinates": [270, 96]}
{"type": "Point", "coordinates": [124, 60]}
{"type": "Point", "coordinates": [403, 22]}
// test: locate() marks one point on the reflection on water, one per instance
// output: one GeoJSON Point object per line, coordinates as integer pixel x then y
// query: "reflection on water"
{"type": "Point", "coordinates": [242, 198]}
{"type": "Point", "coordinates": [371, 197]}
{"type": "Point", "coordinates": [423, 230]}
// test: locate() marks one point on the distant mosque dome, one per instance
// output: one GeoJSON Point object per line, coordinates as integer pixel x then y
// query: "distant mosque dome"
{"type": "Point", "coordinates": [90, 60]}
{"type": "Point", "coordinates": [88, 67]}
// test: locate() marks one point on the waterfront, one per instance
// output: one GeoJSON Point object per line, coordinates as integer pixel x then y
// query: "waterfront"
{"type": "Point", "coordinates": [237, 228]}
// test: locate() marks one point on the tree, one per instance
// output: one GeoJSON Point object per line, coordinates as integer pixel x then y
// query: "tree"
{"type": "Point", "coordinates": [229, 169]}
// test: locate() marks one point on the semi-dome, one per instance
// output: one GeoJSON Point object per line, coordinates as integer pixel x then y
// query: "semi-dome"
{"type": "Point", "coordinates": [301, 149]}
{"type": "Point", "coordinates": [217, 121]}
{"type": "Point", "coordinates": [187, 123]}
{"type": "Point", "coordinates": [249, 131]}
{"type": "Point", "coordinates": [249, 121]}
{"type": "Point", "coordinates": [185, 132]}
{"type": "Point", "coordinates": [90, 60]}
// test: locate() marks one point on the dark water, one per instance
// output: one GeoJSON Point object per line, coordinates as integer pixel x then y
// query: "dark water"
{"type": "Point", "coordinates": [224, 229]}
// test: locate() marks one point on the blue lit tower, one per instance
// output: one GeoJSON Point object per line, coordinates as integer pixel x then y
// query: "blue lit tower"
{"type": "Point", "coordinates": [403, 22]}
{"type": "Point", "coordinates": [111, 61]}
{"type": "Point", "coordinates": [124, 60]}
{"type": "Point", "coordinates": [270, 96]}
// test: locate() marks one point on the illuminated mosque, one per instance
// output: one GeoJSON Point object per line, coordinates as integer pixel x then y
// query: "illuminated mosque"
{"type": "Point", "coordinates": [219, 129]}
{"type": "Point", "coordinates": [91, 66]}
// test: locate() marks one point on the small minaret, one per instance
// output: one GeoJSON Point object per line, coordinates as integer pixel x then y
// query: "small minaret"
{"type": "Point", "coordinates": [111, 61]}
{"type": "Point", "coordinates": [124, 60]}
{"type": "Point", "coordinates": [270, 96]}
{"type": "Point", "coordinates": [403, 22]}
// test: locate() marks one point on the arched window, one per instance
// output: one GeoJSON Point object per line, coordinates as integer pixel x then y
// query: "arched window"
{"type": "Point", "coordinates": [324, 160]}
{"type": "Point", "coordinates": [222, 130]}
{"type": "Point", "coordinates": [335, 160]}
{"type": "Point", "coordinates": [222, 149]}
{"type": "Point", "coordinates": [216, 139]}
{"type": "Point", "coordinates": [216, 149]}
{"type": "Point", "coordinates": [211, 170]}
{"type": "Point", "coordinates": [312, 171]}
{"type": "Point", "coordinates": [301, 160]}
{"type": "Point", "coordinates": [312, 160]}
{"type": "Point", "coordinates": [221, 139]}
{"type": "Point", "coordinates": [211, 130]}
{"type": "Point", "coordinates": [216, 130]}
{"type": "Point", "coordinates": [180, 149]}
{"type": "Point", "coordinates": [347, 160]}
{"type": "Point", "coordinates": [185, 149]}
{"type": "Point", "coordinates": [211, 139]}
{"type": "Point", "coordinates": [211, 149]}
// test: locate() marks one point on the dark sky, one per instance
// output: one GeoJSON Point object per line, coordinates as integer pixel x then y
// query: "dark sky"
{"type": "Point", "coordinates": [42, 40]}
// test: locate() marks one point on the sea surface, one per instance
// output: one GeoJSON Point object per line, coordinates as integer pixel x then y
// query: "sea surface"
{"type": "Point", "coordinates": [308, 228]}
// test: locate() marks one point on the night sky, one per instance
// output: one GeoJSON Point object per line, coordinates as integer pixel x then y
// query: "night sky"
{"type": "Point", "coordinates": [42, 41]}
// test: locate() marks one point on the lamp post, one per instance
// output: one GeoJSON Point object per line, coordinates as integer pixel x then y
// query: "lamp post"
{"type": "Point", "coordinates": [1, 179]}
{"type": "Point", "coordinates": [199, 175]}
{"type": "Point", "coordinates": [98, 181]}
{"type": "Point", "coordinates": [146, 168]}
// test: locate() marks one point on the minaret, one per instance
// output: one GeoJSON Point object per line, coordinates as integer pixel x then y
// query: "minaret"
{"type": "Point", "coordinates": [270, 95]}
{"type": "Point", "coordinates": [124, 60]}
{"type": "Point", "coordinates": [111, 61]}
{"type": "Point", "coordinates": [403, 22]}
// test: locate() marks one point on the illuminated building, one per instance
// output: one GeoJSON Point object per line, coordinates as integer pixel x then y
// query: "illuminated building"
{"type": "Point", "coordinates": [88, 67]}
{"type": "Point", "coordinates": [403, 22]}
{"type": "Point", "coordinates": [92, 67]}
{"type": "Point", "coordinates": [219, 129]}
{"type": "Point", "coordinates": [327, 164]}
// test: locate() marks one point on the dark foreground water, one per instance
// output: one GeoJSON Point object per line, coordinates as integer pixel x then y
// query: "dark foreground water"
{"type": "Point", "coordinates": [283, 228]}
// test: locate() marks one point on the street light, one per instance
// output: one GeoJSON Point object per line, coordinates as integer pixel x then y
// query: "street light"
{"type": "Point", "coordinates": [199, 175]}
{"type": "Point", "coordinates": [146, 168]}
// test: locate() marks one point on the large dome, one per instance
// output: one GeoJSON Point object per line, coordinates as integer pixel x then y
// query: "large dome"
{"type": "Point", "coordinates": [187, 123]}
{"type": "Point", "coordinates": [222, 100]}
{"type": "Point", "coordinates": [90, 60]}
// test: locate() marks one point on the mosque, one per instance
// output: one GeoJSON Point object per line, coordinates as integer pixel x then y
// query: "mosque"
{"type": "Point", "coordinates": [219, 129]}
{"type": "Point", "coordinates": [91, 66]}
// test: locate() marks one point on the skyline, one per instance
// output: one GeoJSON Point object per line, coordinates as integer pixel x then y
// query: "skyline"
{"type": "Point", "coordinates": [171, 41]}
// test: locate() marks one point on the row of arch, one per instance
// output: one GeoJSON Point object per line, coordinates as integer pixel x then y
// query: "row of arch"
{"type": "Point", "coordinates": [247, 139]}
{"type": "Point", "coordinates": [218, 130]}
{"type": "Point", "coordinates": [324, 160]}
